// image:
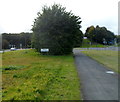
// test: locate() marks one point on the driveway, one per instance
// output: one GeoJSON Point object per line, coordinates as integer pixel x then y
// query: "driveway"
{"type": "Point", "coordinates": [96, 82]}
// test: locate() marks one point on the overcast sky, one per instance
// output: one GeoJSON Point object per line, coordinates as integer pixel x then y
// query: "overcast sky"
{"type": "Point", "coordinates": [18, 15]}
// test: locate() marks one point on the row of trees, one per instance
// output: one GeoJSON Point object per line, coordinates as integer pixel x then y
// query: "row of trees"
{"type": "Point", "coordinates": [100, 35]}
{"type": "Point", "coordinates": [25, 40]}
{"type": "Point", "coordinates": [22, 40]}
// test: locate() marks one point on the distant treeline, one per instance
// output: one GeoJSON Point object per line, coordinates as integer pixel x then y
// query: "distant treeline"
{"type": "Point", "coordinates": [24, 40]}
{"type": "Point", "coordinates": [17, 40]}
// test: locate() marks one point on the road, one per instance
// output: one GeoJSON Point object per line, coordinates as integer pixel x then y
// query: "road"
{"type": "Point", "coordinates": [4, 51]}
{"type": "Point", "coordinates": [95, 82]}
{"type": "Point", "coordinates": [106, 48]}
{"type": "Point", "coordinates": [10, 50]}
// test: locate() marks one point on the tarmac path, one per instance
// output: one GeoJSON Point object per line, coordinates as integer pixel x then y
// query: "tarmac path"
{"type": "Point", "coordinates": [96, 83]}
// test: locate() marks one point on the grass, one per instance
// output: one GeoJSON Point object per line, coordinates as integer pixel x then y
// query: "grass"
{"type": "Point", "coordinates": [86, 44]}
{"type": "Point", "coordinates": [27, 75]}
{"type": "Point", "coordinates": [93, 46]}
{"type": "Point", "coordinates": [106, 57]}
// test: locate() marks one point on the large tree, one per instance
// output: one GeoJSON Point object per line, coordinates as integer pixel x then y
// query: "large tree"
{"type": "Point", "coordinates": [57, 30]}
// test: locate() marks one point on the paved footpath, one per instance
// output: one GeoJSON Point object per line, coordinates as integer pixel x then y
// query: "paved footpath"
{"type": "Point", "coordinates": [95, 82]}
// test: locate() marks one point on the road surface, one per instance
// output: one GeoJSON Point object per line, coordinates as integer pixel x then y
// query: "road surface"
{"type": "Point", "coordinates": [96, 83]}
{"type": "Point", "coordinates": [4, 51]}
{"type": "Point", "coordinates": [99, 48]}
{"type": "Point", "coordinates": [10, 50]}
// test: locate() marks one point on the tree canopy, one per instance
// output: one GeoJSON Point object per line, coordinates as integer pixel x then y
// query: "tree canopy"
{"type": "Point", "coordinates": [99, 34]}
{"type": "Point", "coordinates": [57, 30]}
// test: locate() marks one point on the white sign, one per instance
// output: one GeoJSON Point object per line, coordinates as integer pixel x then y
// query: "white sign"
{"type": "Point", "coordinates": [85, 38]}
{"type": "Point", "coordinates": [110, 72]}
{"type": "Point", "coordinates": [44, 50]}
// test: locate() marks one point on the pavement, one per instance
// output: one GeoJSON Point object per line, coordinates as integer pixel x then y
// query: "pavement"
{"type": "Point", "coordinates": [97, 81]}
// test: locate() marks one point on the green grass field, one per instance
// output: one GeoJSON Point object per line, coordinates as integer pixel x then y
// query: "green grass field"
{"type": "Point", "coordinates": [27, 75]}
{"type": "Point", "coordinates": [107, 58]}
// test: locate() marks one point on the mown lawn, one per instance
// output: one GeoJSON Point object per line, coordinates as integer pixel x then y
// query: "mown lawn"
{"type": "Point", "coordinates": [27, 75]}
{"type": "Point", "coordinates": [106, 57]}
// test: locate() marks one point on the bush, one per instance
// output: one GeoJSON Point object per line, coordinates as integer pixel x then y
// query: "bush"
{"type": "Point", "coordinates": [57, 30]}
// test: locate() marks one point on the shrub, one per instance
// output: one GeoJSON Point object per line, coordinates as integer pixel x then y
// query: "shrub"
{"type": "Point", "coordinates": [57, 30]}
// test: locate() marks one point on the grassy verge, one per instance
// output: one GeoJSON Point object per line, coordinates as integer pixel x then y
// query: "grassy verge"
{"type": "Point", "coordinates": [27, 75]}
{"type": "Point", "coordinates": [93, 46]}
{"type": "Point", "coordinates": [107, 58]}
{"type": "Point", "coordinates": [86, 44]}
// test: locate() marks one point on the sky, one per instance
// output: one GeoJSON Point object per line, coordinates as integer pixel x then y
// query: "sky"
{"type": "Point", "coordinates": [17, 16]}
